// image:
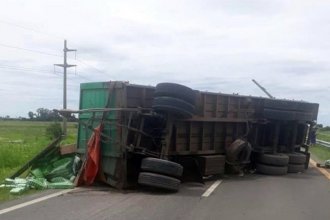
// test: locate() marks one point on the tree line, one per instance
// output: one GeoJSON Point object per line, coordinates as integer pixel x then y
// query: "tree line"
{"type": "Point", "coordinates": [44, 114]}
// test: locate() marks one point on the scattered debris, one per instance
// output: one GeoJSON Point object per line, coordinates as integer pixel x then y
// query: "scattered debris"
{"type": "Point", "coordinates": [53, 168]}
{"type": "Point", "coordinates": [326, 164]}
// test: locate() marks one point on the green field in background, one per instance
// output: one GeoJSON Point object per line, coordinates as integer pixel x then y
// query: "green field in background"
{"type": "Point", "coordinates": [320, 152]}
{"type": "Point", "coordinates": [323, 135]}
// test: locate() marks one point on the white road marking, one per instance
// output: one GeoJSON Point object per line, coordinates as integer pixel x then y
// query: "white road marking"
{"type": "Point", "coordinates": [3, 211]}
{"type": "Point", "coordinates": [322, 170]}
{"type": "Point", "coordinates": [208, 192]}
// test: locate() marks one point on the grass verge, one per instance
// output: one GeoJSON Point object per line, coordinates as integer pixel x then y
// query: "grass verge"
{"type": "Point", "coordinates": [322, 153]}
{"type": "Point", "coordinates": [323, 135]}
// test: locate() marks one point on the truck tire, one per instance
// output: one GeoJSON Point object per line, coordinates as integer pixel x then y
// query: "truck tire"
{"type": "Point", "coordinates": [176, 91]}
{"type": "Point", "coordinates": [238, 152]}
{"type": "Point", "coordinates": [159, 181]}
{"type": "Point", "coordinates": [308, 157]}
{"type": "Point", "coordinates": [166, 167]}
{"type": "Point", "coordinates": [173, 105]}
{"type": "Point", "coordinates": [297, 158]}
{"type": "Point", "coordinates": [273, 159]}
{"type": "Point", "coordinates": [271, 170]}
{"type": "Point", "coordinates": [296, 168]}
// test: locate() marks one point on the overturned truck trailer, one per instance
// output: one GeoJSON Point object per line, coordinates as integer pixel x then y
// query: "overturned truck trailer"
{"type": "Point", "coordinates": [159, 135]}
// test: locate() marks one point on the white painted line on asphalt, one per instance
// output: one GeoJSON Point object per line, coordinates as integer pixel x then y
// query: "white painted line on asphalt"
{"type": "Point", "coordinates": [208, 192]}
{"type": "Point", "coordinates": [322, 170]}
{"type": "Point", "coordinates": [3, 211]}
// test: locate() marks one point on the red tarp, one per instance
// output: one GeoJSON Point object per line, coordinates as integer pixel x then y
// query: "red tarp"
{"type": "Point", "coordinates": [93, 156]}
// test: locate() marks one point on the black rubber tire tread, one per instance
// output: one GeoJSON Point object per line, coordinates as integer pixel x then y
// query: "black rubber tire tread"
{"type": "Point", "coordinates": [238, 152]}
{"type": "Point", "coordinates": [271, 170]}
{"type": "Point", "coordinates": [176, 91]}
{"type": "Point", "coordinates": [273, 159]}
{"type": "Point", "coordinates": [173, 105]}
{"type": "Point", "coordinates": [290, 105]}
{"type": "Point", "coordinates": [308, 157]}
{"type": "Point", "coordinates": [166, 167]}
{"type": "Point", "coordinates": [159, 181]}
{"type": "Point", "coordinates": [287, 115]}
{"type": "Point", "coordinates": [297, 158]}
{"type": "Point", "coordinates": [296, 168]}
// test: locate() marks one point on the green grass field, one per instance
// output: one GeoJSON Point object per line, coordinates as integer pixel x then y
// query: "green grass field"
{"type": "Point", "coordinates": [323, 135]}
{"type": "Point", "coordinates": [20, 141]}
{"type": "Point", "coordinates": [321, 153]}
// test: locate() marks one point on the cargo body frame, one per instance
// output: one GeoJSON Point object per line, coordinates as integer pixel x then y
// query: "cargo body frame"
{"type": "Point", "coordinates": [132, 130]}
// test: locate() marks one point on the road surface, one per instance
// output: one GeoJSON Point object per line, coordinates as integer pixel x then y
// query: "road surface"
{"type": "Point", "coordinates": [294, 196]}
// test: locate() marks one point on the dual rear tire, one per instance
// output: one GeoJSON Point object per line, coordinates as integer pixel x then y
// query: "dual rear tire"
{"type": "Point", "coordinates": [175, 99]}
{"type": "Point", "coordinates": [297, 162]}
{"type": "Point", "coordinates": [160, 173]}
{"type": "Point", "coordinates": [280, 164]}
{"type": "Point", "coordinates": [272, 164]}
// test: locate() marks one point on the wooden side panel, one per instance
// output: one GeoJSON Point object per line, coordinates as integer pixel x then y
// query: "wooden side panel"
{"type": "Point", "coordinates": [204, 137]}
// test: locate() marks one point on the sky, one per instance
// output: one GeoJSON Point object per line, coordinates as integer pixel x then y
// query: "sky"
{"type": "Point", "coordinates": [209, 45]}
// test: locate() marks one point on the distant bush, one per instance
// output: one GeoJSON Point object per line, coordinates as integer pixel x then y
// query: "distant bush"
{"type": "Point", "coordinates": [54, 130]}
{"type": "Point", "coordinates": [326, 128]}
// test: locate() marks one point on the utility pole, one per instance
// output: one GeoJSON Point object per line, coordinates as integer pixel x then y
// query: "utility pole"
{"type": "Point", "coordinates": [263, 89]}
{"type": "Point", "coordinates": [65, 65]}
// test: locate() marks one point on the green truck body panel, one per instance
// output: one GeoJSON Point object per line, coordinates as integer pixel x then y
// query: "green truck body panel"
{"type": "Point", "coordinates": [113, 147]}
{"type": "Point", "coordinates": [96, 95]}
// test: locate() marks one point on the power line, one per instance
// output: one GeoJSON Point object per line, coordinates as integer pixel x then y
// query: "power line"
{"type": "Point", "coordinates": [34, 70]}
{"type": "Point", "coordinates": [22, 69]}
{"type": "Point", "coordinates": [33, 51]}
{"type": "Point", "coordinates": [91, 66]}
{"type": "Point", "coordinates": [42, 52]}
{"type": "Point", "coordinates": [83, 77]}
{"type": "Point", "coordinates": [30, 29]}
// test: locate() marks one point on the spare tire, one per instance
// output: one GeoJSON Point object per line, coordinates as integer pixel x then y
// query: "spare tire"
{"type": "Point", "coordinates": [296, 168]}
{"type": "Point", "coordinates": [273, 159]}
{"type": "Point", "coordinates": [173, 105]}
{"type": "Point", "coordinates": [161, 166]}
{"type": "Point", "coordinates": [159, 181]}
{"type": "Point", "coordinates": [297, 158]}
{"type": "Point", "coordinates": [176, 91]}
{"type": "Point", "coordinates": [271, 170]}
{"type": "Point", "coordinates": [238, 152]}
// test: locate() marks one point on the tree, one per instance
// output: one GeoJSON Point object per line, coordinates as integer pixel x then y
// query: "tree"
{"type": "Point", "coordinates": [31, 115]}
{"type": "Point", "coordinates": [44, 114]}
{"type": "Point", "coordinates": [319, 125]}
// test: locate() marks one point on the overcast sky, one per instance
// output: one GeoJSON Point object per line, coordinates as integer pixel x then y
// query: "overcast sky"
{"type": "Point", "coordinates": [213, 45]}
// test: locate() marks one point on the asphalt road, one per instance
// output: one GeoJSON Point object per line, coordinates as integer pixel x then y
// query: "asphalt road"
{"type": "Point", "coordinates": [294, 196]}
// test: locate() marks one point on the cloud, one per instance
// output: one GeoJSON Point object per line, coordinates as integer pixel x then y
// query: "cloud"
{"type": "Point", "coordinates": [213, 45]}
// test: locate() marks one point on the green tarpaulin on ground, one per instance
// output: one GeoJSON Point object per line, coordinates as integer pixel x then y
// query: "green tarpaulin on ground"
{"type": "Point", "coordinates": [52, 172]}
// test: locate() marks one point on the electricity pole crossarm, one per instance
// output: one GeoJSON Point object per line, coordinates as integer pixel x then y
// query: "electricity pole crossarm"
{"type": "Point", "coordinates": [65, 65]}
